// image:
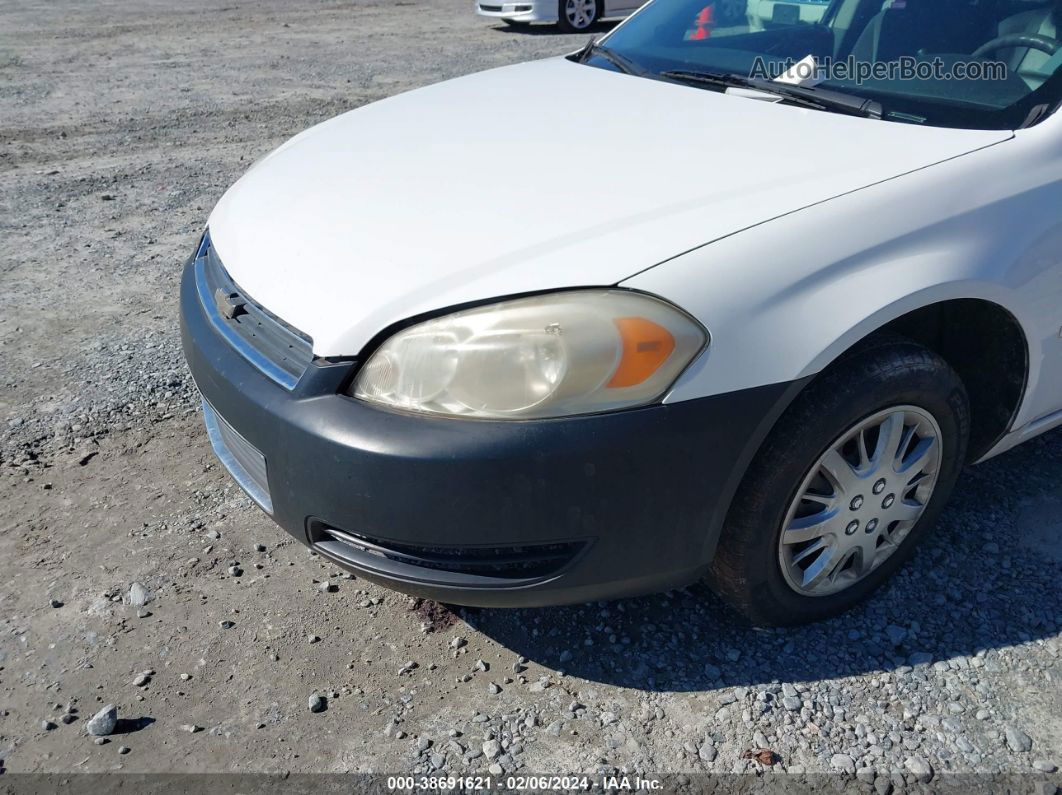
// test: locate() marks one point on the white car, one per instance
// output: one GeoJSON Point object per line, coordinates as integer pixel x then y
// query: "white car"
{"type": "Point", "coordinates": [572, 16]}
{"type": "Point", "coordinates": [758, 343]}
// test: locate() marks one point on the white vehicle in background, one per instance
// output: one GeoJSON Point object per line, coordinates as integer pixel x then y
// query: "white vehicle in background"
{"type": "Point", "coordinates": [574, 16]}
{"type": "Point", "coordinates": [571, 16]}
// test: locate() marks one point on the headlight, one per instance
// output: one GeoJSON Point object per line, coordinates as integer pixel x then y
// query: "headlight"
{"type": "Point", "coordinates": [547, 356]}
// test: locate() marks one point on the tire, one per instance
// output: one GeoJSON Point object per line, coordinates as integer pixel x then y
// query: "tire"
{"type": "Point", "coordinates": [583, 15]}
{"type": "Point", "coordinates": [887, 376]}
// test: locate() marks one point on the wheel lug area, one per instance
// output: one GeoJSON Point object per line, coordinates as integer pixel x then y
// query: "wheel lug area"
{"type": "Point", "coordinates": [853, 528]}
{"type": "Point", "coordinates": [888, 501]}
{"type": "Point", "coordinates": [872, 525]}
{"type": "Point", "coordinates": [879, 486]}
{"type": "Point", "coordinates": [857, 502]}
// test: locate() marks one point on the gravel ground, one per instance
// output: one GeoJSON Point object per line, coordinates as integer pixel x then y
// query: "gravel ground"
{"type": "Point", "coordinates": [140, 577]}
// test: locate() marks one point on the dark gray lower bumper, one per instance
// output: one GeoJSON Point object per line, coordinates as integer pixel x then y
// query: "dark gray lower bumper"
{"type": "Point", "coordinates": [627, 502]}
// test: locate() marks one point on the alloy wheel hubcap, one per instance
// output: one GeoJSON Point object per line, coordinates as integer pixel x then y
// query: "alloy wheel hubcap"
{"type": "Point", "coordinates": [860, 501]}
{"type": "Point", "coordinates": [581, 13]}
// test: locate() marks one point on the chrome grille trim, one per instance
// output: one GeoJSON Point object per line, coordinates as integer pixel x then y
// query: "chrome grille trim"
{"type": "Point", "coordinates": [281, 353]}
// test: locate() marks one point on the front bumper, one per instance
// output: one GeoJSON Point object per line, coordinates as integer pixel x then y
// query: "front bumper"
{"type": "Point", "coordinates": [588, 508]}
{"type": "Point", "coordinates": [527, 11]}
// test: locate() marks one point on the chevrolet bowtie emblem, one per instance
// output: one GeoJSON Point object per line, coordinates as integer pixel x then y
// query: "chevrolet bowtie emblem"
{"type": "Point", "coordinates": [228, 304]}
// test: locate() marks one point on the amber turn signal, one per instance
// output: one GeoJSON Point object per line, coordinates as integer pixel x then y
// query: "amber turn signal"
{"type": "Point", "coordinates": [646, 346]}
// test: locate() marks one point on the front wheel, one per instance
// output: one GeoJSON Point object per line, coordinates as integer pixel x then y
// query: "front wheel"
{"type": "Point", "coordinates": [848, 482]}
{"type": "Point", "coordinates": [576, 16]}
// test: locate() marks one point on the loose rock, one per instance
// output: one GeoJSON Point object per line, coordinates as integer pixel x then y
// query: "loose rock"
{"type": "Point", "coordinates": [843, 762]}
{"type": "Point", "coordinates": [919, 768]}
{"type": "Point", "coordinates": [1017, 740]}
{"type": "Point", "coordinates": [138, 595]}
{"type": "Point", "coordinates": [103, 722]}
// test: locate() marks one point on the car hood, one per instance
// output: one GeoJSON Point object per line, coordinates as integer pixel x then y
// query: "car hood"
{"type": "Point", "coordinates": [539, 176]}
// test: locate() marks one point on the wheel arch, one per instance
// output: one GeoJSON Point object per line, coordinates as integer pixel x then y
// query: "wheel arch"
{"type": "Point", "coordinates": [979, 337]}
{"type": "Point", "coordinates": [952, 324]}
{"type": "Point", "coordinates": [955, 328]}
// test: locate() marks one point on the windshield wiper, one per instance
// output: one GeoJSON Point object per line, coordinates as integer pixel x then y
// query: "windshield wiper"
{"type": "Point", "coordinates": [621, 62]}
{"type": "Point", "coordinates": [806, 96]}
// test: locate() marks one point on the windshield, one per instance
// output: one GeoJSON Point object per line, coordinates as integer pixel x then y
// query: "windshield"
{"type": "Point", "coordinates": [984, 64]}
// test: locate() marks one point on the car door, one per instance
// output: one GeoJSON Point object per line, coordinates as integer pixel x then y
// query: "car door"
{"type": "Point", "coordinates": [1045, 398]}
{"type": "Point", "coordinates": [619, 7]}
{"type": "Point", "coordinates": [1040, 266]}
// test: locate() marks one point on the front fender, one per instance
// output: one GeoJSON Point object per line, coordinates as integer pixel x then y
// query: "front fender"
{"type": "Point", "coordinates": [786, 298]}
